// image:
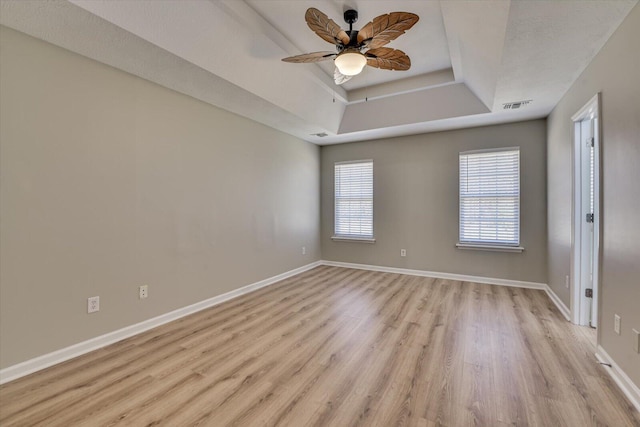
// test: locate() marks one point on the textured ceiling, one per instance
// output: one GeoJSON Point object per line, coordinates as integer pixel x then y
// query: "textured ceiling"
{"type": "Point", "coordinates": [468, 57]}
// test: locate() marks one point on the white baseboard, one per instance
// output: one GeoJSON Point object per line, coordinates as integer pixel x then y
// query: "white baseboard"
{"type": "Point", "coordinates": [620, 377]}
{"type": "Point", "coordinates": [16, 371]}
{"type": "Point", "coordinates": [25, 368]}
{"type": "Point", "coordinates": [437, 275]}
{"type": "Point", "coordinates": [41, 362]}
{"type": "Point", "coordinates": [460, 277]}
{"type": "Point", "coordinates": [558, 302]}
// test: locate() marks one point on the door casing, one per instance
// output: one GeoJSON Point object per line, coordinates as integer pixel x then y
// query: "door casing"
{"type": "Point", "coordinates": [581, 307]}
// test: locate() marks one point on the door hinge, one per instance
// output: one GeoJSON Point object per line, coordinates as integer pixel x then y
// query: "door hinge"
{"type": "Point", "coordinates": [589, 217]}
{"type": "Point", "coordinates": [588, 293]}
{"type": "Point", "coordinates": [590, 142]}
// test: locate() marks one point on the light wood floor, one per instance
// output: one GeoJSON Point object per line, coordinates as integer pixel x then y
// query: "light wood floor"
{"type": "Point", "coordinates": [339, 347]}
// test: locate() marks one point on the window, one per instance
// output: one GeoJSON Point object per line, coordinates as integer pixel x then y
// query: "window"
{"type": "Point", "coordinates": [490, 198]}
{"type": "Point", "coordinates": [354, 200]}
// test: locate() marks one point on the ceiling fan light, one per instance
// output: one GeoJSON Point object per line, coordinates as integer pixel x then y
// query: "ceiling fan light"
{"type": "Point", "coordinates": [350, 63]}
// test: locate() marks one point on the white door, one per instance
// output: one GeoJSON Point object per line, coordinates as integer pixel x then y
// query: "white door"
{"type": "Point", "coordinates": [587, 218]}
{"type": "Point", "coordinates": [595, 226]}
{"type": "Point", "coordinates": [586, 215]}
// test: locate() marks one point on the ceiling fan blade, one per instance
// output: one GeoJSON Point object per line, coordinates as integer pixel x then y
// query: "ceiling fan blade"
{"type": "Point", "coordinates": [385, 28]}
{"type": "Point", "coordinates": [340, 78]}
{"type": "Point", "coordinates": [325, 27]}
{"type": "Point", "coordinates": [388, 59]}
{"type": "Point", "coordinates": [310, 57]}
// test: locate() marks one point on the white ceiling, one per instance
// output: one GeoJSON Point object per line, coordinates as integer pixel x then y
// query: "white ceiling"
{"type": "Point", "coordinates": [468, 57]}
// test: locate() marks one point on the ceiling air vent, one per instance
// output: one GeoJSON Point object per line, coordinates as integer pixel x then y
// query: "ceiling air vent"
{"type": "Point", "coordinates": [320, 135]}
{"type": "Point", "coordinates": [515, 105]}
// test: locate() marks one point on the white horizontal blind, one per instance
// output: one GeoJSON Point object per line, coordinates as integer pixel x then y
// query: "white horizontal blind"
{"type": "Point", "coordinates": [354, 199]}
{"type": "Point", "coordinates": [490, 197]}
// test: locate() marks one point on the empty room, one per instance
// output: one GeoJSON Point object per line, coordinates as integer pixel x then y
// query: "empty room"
{"type": "Point", "coordinates": [320, 213]}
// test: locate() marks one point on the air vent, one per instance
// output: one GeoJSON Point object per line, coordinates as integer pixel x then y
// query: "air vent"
{"type": "Point", "coordinates": [515, 105]}
{"type": "Point", "coordinates": [320, 135]}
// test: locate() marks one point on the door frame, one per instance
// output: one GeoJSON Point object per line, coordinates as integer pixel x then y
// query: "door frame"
{"type": "Point", "coordinates": [580, 307]}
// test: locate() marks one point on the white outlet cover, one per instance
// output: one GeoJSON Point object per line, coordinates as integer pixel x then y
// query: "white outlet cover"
{"type": "Point", "coordinates": [93, 304]}
{"type": "Point", "coordinates": [143, 291]}
{"type": "Point", "coordinates": [616, 324]}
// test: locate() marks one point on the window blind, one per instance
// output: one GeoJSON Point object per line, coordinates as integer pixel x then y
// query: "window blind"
{"type": "Point", "coordinates": [490, 197]}
{"type": "Point", "coordinates": [354, 199]}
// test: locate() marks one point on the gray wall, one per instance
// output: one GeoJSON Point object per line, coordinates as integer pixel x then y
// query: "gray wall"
{"type": "Point", "coordinates": [109, 181]}
{"type": "Point", "coordinates": [416, 202]}
{"type": "Point", "coordinates": [615, 72]}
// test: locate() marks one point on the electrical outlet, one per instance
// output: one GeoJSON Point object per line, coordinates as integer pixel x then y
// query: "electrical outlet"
{"type": "Point", "coordinates": [403, 252]}
{"type": "Point", "coordinates": [143, 291]}
{"type": "Point", "coordinates": [566, 281]}
{"type": "Point", "coordinates": [616, 324]}
{"type": "Point", "coordinates": [304, 250]}
{"type": "Point", "coordinates": [93, 304]}
{"type": "Point", "coordinates": [636, 340]}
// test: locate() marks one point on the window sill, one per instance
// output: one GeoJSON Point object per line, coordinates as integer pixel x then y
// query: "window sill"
{"type": "Point", "coordinates": [494, 248]}
{"type": "Point", "coordinates": [353, 239]}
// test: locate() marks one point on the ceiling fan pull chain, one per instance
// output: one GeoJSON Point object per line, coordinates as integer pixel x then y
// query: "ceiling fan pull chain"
{"type": "Point", "coordinates": [366, 77]}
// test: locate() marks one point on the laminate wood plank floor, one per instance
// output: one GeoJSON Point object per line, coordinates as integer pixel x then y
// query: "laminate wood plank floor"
{"type": "Point", "coordinates": [339, 347]}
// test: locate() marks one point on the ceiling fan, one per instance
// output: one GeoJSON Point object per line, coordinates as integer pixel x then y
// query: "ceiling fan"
{"type": "Point", "coordinates": [355, 49]}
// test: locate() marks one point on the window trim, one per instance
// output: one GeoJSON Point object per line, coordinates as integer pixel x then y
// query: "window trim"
{"type": "Point", "coordinates": [490, 246]}
{"type": "Point", "coordinates": [353, 239]}
{"type": "Point", "coordinates": [345, 237]}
